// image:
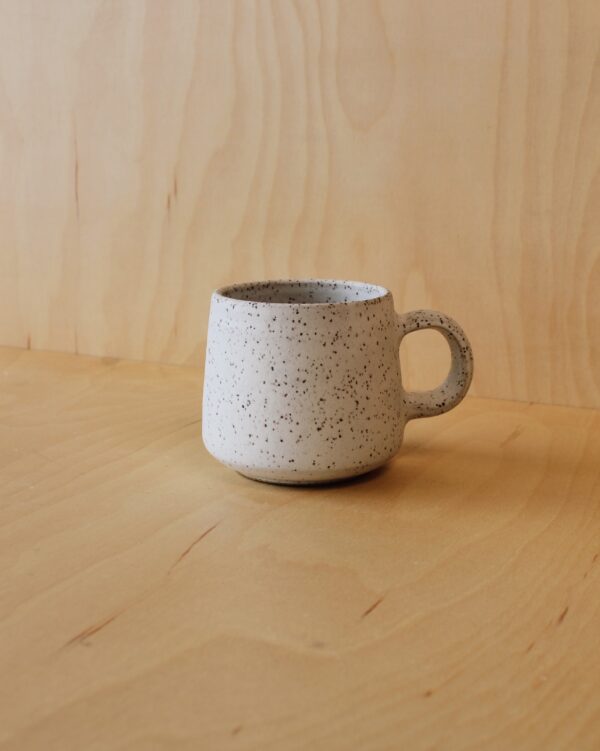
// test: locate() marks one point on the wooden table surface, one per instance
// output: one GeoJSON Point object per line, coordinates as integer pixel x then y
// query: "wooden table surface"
{"type": "Point", "coordinates": [152, 599]}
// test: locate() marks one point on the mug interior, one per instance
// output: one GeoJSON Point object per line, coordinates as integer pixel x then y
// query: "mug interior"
{"type": "Point", "coordinates": [303, 292]}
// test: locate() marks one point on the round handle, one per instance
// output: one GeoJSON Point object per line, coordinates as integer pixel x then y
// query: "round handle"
{"type": "Point", "coordinates": [454, 388]}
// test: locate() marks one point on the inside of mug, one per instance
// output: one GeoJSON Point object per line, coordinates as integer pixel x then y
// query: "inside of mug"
{"type": "Point", "coordinates": [303, 292]}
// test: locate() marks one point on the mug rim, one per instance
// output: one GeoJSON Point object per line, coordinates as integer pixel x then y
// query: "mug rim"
{"type": "Point", "coordinates": [225, 291]}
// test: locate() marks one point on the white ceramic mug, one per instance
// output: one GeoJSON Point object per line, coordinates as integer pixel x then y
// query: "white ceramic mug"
{"type": "Point", "coordinates": [302, 381]}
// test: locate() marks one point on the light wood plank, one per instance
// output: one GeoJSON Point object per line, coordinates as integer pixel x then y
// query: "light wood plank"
{"type": "Point", "coordinates": [151, 151]}
{"type": "Point", "coordinates": [152, 599]}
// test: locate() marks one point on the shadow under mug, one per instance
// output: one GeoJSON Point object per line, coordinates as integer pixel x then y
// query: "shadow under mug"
{"type": "Point", "coordinates": [302, 381]}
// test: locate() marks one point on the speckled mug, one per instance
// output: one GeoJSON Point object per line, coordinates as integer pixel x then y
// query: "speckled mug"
{"type": "Point", "coordinates": [302, 381]}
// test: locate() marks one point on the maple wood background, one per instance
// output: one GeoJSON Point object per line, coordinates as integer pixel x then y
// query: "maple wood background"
{"type": "Point", "coordinates": [151, 151]}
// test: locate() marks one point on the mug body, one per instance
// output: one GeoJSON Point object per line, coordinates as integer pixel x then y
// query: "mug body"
{"type": "Point", "coordinates": [302, 381]}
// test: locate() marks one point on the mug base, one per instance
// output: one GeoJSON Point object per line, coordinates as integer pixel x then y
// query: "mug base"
{"type": "Point", "coordinates": [318, 477]}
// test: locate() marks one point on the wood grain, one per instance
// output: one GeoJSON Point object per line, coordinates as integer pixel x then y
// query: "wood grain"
{"type": "Point", "coordinates": [152, 599]}
{"type": "Point", "coordinates": [151, 151]}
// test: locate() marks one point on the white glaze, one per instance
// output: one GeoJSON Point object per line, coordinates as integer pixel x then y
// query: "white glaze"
{"type": "Point", "coordinates": [302, 381]}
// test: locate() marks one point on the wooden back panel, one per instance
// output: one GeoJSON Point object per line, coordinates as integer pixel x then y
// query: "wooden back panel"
{"type": "Point", "coordinates": [152, 151]}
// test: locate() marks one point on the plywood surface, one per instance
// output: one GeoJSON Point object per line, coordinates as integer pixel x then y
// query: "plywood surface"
{"type": "Point", "coordinates": [151, 151]}
{"type": "Point", "coordinates": [152, 599]}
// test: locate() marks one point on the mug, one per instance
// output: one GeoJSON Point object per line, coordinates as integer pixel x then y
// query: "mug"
{"type": "Point", "coordinates": [302, 381]}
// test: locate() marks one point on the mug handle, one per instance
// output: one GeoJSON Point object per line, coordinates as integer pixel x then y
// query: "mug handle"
{"type": "Point", "coordinates": [454, 388]}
